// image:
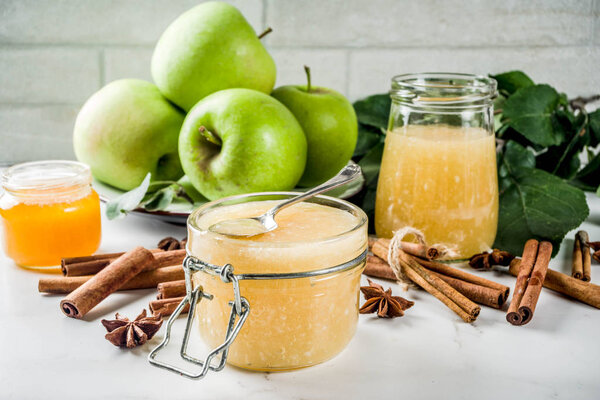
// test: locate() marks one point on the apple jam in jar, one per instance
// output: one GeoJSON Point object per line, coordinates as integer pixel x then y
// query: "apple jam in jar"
{"type": "Point", "coordinates": [49, 211]}
{"type": "Point", "coordinates": [292, 323]}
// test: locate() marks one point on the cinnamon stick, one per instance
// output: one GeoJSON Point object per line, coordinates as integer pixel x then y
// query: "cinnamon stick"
{"type": "Point", "coordinates": [529, 286]}
{"type": "Point", "coordinates": [534, 286]}
{"type": "Point", "coordinates": [528, 259]}
{"type": "Point", "coordinates": [143, 280]}
{"type": "Point", "coordinates": [450, 271]}
{"type": "Point", "coordinates": [166, 307]}
{"type": "Point", "coordinates": [475, 288]}
{"type": "Point", "coordinates": [80, 266]}
{"type": "Point", "coordinates": [378, 268]}
{"type": "Point", "coordinates": [168, 290]}
{"type": "Point", "coordinates": [585, 292]}
{"type": "Point", "coordinates": [454, 300]}
{"type": "Point", "coordinates": [479, 294]}
{"type": "Point", "coordinates": [585, 255]}
{"type": "Point", "coordinates": [577, 266]}
{"type": "Point", "coordinates": [107, 281]}
{"type": "Point", "coordinates": [89, 265]}
{"type": "Point", "coordinates": [414, 249]}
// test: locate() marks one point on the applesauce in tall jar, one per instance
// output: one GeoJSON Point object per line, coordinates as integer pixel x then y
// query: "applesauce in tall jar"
{"type": "Point", "coordinates": [438, 172]}
{"type": "Point", "coordinates": [293, 323]}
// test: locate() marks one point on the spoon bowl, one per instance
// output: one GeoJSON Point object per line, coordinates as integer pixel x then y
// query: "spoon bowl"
{"type": "Point", "coordinates": [248, 227]}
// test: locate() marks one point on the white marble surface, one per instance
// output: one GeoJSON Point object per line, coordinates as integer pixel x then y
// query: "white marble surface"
{"type": "Point", "coordinates": [429, 353]}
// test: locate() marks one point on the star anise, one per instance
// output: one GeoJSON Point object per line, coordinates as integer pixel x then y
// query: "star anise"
{"type": "Point", "coordinates": [170, 243]}
{"type": "Point", "coordinates": [487, 260]}
{"type": "Point", "coordinates": [382, 302]}
{"type": "Point", "coordinates": [125, 333]}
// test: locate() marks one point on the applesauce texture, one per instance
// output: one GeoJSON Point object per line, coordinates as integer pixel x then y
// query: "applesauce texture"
{"type": "Point", "coordinates": [293, 323]}
{"type": "Point", "coordinates": [441, 180]}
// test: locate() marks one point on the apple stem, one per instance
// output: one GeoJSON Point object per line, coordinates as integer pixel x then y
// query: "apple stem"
{"type": "Point", "coordinates": [307, 70]}
{"type": "Point", "coordinates": [265, 33]}
{"type": "Point", "coordinates": [208, 135]}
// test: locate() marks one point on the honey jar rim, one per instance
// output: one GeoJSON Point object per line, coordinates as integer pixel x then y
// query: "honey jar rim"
{"type": "Point", "coordinates": [46, 177]}
{"type": "Point", "coordinates": [362, 219]}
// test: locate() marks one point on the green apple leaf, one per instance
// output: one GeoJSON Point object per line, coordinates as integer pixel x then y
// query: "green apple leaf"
{"type": "Point", "coordinates": [368, 137]}
{"type": "Point", "coordinates": [510, 82]}
{"type": "Point", "coordinates": [589, 177]}
{"type": "Point", "coordinates": [517, 156]}
{"type": "Point", "coordinates": [370, 164]}
{"type": "Point", "coordinates": [535, 204]}
{"type": "Point", "coordinates": [530, 111]}
{"type": "Point", "coordinates": [594, 127]}
{"type": "Point", "coordinates": [161, 199]}
{"type": "Point", "coordinates": [564, 160]}
{"type": "Point", "coordinates": [188, 192]}
{"type": "Point", "coordinates": [374, 110]}
{"type": "Point", "coordinates": [120, 206]}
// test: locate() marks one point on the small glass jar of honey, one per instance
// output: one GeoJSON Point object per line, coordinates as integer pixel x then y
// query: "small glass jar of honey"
{"type": "Point", "coordinates": [49, 211]}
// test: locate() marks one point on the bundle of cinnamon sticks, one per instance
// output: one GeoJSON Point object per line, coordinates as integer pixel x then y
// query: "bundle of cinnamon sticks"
{"type": "Point", "coordinates": [457, 289]}
{"type": "Point", "coordinates": [531, 276]}
{"type": "Point", "coordinates": [168, 298]}
{"type": "Point", "coordinates": [89, 280]}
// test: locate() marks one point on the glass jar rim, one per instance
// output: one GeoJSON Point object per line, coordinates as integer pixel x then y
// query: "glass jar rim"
{"type": "Point", "coordinates": [333, 201]}
{"type": "Point", "coordinates": [443, 89]}
{"type": "Point", "coordinates": [48, 176]}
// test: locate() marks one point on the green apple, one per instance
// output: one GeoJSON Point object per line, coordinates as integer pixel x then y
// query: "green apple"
{"type": "Point", "coordinates": [208, 48]}
{"type": "Point", "coordinates": [126, 130]}
{"type": "Point", "coordinates": [330, 125]}
{"type": "Point", "coordinates": [241, 141]}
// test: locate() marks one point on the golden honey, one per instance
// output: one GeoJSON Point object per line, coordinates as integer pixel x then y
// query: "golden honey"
{"type": "Point", "coordinates": [293, 323]}
{"type": "Point", "coordinates": [49, 211]}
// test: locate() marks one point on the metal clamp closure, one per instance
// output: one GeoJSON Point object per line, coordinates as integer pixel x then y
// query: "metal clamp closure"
{"type": "Point", "coordinates": [240, 308]}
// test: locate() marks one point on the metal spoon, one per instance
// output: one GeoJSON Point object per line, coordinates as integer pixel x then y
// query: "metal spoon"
{"type": "Point", "coordinates": [246, 227]}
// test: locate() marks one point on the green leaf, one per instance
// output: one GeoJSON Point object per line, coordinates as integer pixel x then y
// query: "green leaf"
{"type": "Point", "coordinates": [537, 205]}
{"type": "Point", "coordinates": [589, 177]}
{"type": "Point", "coordinates": [120, 206]}
{"type": "Point", "coordinates": [368, 137]}
{"type": "Point", "coordinates": [161, 199]}
{"type": "Point", "coordinates": [564, 160]}
{"type": "Point", "coordinates": [510, 82]}
{"type": "Point", "coordinates": [515, 156]}
{"type": "Point", "coordinates": [594, 127]}
{"type": "Point", "coordinates": [190, 191]}
{"type": "Point", "coordinates": [368, 206]}
{"type": "Point", "coordinates": [530, 111]}
{"type": "Point", "coordinates": [598, 192]}
{"type": "Point", "coordinates": [370, 164]}
{"type": "Point", "coordinates": [518, 156]}
{"type": "Point", "coordinates": [374, 110]}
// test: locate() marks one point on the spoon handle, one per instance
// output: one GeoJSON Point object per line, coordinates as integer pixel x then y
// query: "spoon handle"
{"type": "Point", "coordinates": [347, 174]}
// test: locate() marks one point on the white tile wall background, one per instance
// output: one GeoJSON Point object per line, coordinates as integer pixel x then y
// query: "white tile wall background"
{"type": "Point", "coordinates": [55, 53]}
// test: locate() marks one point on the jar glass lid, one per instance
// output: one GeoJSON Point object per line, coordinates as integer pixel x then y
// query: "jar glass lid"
{"type": "Point", "coordinates": [441, 89]}
{"type": "Point", "coordinates": [46, 176]}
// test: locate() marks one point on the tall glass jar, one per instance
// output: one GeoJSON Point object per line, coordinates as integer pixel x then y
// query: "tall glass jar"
{"type": "Point", "coordinates": [49, 211]}
{"type": "Point", "coordinates": [438, 172]}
